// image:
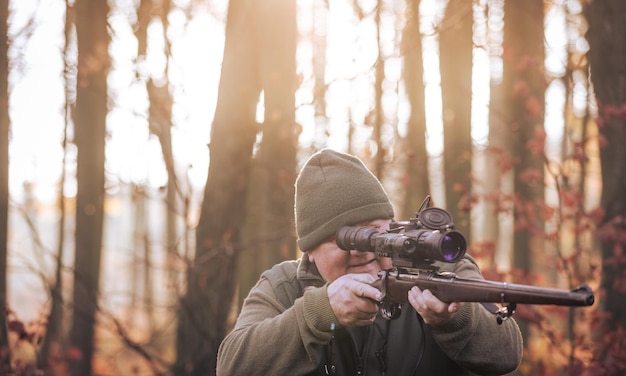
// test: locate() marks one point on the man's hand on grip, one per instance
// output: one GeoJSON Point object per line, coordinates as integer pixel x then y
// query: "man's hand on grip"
{"type": "Point", "coordinates": [353, 300]}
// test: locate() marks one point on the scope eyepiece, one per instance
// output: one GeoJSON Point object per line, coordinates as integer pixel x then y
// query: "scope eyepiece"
{"type": "Point", "coordinates": [355, 238]}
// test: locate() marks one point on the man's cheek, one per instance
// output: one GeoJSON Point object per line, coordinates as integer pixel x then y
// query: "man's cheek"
{"type": "Point", "coordinates": [385, 263]}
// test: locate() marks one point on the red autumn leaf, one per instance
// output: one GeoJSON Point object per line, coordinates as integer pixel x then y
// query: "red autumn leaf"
{"type": "Point", "coordinates": [505, 163]}
{"type": "Point", "coordinates": [597, 215]}
{"type": "Point", "coordinates": [507, 53]}
{"type": "Point", "coordinates": [570, 199]}
{"type": "Point", "coordinates": [622, 112]}
{"type": "Point", "coordinates": [579, 155]}
{"type": "Point", "coordinates": [520, 89]}
{"type": "Point", "coordinates": [600, 122]}
{"type": "Point", "coordinates": [74, 354]}
{"type": "Point", "coordinates": [536, 144]}
{"type": "Point", "coordinates": [531, 176]}
{"type": "Point", "coordinates": [548, 212]}
{"type": "Point", "coordinates": [533, 107]}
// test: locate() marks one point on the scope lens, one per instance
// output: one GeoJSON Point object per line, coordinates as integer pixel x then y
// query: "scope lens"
{"type": "Point", "coordinates": [452, 246]}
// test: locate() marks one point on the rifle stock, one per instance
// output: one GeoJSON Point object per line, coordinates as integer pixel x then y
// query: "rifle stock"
{"type": "Point", "coordinates": [449, 288]}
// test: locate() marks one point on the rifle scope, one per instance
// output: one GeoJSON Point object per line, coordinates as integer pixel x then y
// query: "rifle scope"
{"type": "Point", "coordinates": [417, 245]}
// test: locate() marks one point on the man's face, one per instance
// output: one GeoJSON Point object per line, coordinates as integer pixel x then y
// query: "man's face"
{"type": "Point", "coordinates": [333, 262]}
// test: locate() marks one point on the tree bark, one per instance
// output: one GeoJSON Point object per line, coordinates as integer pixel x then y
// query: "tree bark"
{"type": "Point", "coordinates": [607, 58]}
{"type": "Point", "coordinates": [54, 340]}
{"type": "Point", "coordinates": [5, 357]}
{"type": "Point", "coordinates": [524, 87]}
{"type": "Point", "coordinates": [90, 131]}
{"type": "Point", "coordinates": [416, 179]}
{"type": "Point", "coordinates": [270, 220]}
{"type": "Point", "coordinates": [211, 280]}
{"type": "Point", "coordinates": [498, 178]}
{"type": "Point", "coordinates": [455, 41]}
{"type": "Point", "coordinates": [378, 110]}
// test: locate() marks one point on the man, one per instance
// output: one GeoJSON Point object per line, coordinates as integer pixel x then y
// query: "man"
{"type": "Point", "coordinates": [318, 315]}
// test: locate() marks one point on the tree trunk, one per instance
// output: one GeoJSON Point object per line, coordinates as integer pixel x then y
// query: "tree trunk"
{"type": "Point", "coordinates": [53, 341]}
{"type": "Point", "coordinates": [270, 222]}
{"type": "Point", "coordinates": [416, 181]}
{"type": "Point", "coordinates": [160, 117]}
{"type": "Point", "coordinates": [160, 124]}
{"type": "Point", "coordinates": [90, 131]}
{"type": "Point", "coordinates": [607, 58]}
{"type": "Point", "coordinates": [455, 41]}
{"type": "Point", "coordinates": [211, 279]}
{"type": "Point", "coordinates": [5, 357]}
{"type": "Point", "coordinates": [525, 87]}
{"type": "Point", "coordinates": [498, 180]}
{"type": "Point", "coordinates": [319, 43]}
{"type": "Point", "coordinates": [379, 113]}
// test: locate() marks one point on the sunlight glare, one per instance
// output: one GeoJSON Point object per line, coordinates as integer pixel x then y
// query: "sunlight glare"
{"type": "Point", "coordinates": [480, 79]}
{"type": "Point", "coordinates": [133, 154]}
{"type": "Point", "coordinates": [36, 100]}
{"type": "Point", "coordinates": [556, 41]}
{"type": "Point", "coordinates": [554, 122]}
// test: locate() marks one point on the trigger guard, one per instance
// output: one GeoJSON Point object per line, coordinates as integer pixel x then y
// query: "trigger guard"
{"type": "Point", "coordinates": [390, 310]}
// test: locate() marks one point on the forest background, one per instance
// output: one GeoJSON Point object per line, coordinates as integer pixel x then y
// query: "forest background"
{"type": "Point", "coordinates": [127, 245]}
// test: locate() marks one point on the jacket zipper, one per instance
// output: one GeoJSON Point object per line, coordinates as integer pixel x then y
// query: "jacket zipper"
{"type": "Point", "coordinates": [361, 369]}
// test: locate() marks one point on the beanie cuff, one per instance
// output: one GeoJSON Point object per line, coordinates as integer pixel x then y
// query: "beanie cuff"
{"type": "Point", "coordinates": [383, 210]}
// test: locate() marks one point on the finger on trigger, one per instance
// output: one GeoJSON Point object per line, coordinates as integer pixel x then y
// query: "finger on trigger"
{"type": "Point", "coordinates": [453, 307]}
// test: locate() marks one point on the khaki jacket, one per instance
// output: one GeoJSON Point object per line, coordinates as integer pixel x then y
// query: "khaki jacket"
{"type": "Point", "coordinates": [286, 328]}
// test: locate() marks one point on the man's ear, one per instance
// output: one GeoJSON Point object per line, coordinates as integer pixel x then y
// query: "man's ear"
{"type": "Point", "coordinates": [311, 255]}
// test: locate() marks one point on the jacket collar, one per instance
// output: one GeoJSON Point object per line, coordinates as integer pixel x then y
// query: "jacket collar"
{"type": "Point", "coordinates": [307, 272]}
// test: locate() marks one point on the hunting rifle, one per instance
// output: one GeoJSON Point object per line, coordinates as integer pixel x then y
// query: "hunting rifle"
{"type": "Point", "coordinates": [415, 245]}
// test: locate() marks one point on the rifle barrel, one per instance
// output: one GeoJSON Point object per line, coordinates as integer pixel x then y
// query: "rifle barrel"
{"type": "Point", "coordinates": [448, 288]}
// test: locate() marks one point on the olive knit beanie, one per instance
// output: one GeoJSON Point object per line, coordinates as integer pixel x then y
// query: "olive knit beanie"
{"type": "Point", "coordinates": [335, 190]}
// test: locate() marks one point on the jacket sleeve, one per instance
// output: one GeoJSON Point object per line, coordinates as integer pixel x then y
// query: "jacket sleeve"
{"type": "Point", "coordinates": [269, 339]}
{"type": "Point", "coordinates": [473, 337]}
